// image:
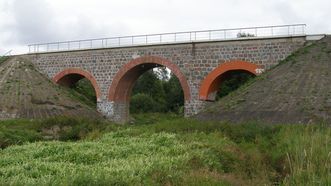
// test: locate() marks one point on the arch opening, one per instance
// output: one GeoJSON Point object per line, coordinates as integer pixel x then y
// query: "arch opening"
{"type": "Point", "coordinates": [82, 83]}
{"type": "Point", "coordinates": [123, 83]}
{"type": "Point", "coordinates": [226, 78]}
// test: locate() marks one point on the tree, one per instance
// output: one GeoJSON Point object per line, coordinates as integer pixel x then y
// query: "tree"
{"type": "Point", "coordinates": [244, 34]}
{"type": "Point", "coordinates": [233, 80]}
{"type": "Point", "coordinates": [157, 91]}
{"type": "Point", "coordinates": [174, 94]}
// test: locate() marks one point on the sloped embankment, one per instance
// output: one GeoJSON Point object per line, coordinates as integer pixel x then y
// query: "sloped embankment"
{"type": "Point", "coordinates": [25, 93]}
{"type": "Point", "coordinates": [296, 91]}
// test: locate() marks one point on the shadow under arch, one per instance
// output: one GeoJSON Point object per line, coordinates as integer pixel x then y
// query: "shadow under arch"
{"type": "Point", "coordinates": [68, 77]}
{"type": "Point", "coordinates": [210, 85]}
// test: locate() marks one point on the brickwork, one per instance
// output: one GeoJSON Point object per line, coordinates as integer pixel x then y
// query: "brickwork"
{"type": "Point", "coordinates": [192, 62]}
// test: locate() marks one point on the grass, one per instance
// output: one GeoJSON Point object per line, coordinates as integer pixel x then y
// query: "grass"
{"type": "Point", "coordinates": [164, 149]}
{"type": "Point", "coordinates": [3, 59]}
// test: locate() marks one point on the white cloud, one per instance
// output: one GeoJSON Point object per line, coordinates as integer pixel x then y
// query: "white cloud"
{"type": "Point", "coordinates": [28, 21]}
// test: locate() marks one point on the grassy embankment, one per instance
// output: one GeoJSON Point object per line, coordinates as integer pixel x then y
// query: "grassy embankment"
{"type": "Point", "coordinates": [3, 59]}
{"type": "Point", "coordinates": [163, 150]}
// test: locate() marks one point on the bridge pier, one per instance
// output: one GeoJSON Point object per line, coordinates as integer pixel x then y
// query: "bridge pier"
{"type": "Point", "coordinates": [119, 112]}
{"type": "Point", "coordinates": [115, 111]}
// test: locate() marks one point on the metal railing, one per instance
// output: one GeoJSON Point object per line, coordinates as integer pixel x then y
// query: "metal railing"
{"type": "Point", "coordinates": [5, 56]}
{"type": "Point", "coordinates": [176, 37]}
{"type": "Point", "coordinates": [7, 53]}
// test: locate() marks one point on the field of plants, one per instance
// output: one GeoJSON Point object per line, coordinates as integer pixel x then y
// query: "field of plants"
{"type": "Point", "coordinates": [162, 149]}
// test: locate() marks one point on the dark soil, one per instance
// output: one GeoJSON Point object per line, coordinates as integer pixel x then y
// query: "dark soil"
{"type": "Point", "coordinates": [25, 93]}
{"type": "Point", "coordinates": [298, 90]}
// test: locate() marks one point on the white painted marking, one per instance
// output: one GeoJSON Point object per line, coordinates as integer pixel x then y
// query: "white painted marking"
{"type": "Point", "coordinates": [259, 70]}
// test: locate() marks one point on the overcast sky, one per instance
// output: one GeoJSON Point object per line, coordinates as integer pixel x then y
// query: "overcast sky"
{"type": "Point", "coordinates": [23, 22]}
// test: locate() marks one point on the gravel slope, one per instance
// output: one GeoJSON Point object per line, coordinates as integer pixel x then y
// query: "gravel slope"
{"type": "Point", "coordinates": [25, 93]}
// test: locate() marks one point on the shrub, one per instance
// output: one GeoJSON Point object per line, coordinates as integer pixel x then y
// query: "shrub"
{"type": "Point", "coordinates": [144, 103]}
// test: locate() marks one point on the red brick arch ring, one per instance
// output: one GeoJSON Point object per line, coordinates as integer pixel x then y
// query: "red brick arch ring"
{"type": "Point", "coordinates": [70, 76]}
{"type": "Point", "coordinates": [211, 83]}
{"type": "Point", "coordinates": [123, 82]}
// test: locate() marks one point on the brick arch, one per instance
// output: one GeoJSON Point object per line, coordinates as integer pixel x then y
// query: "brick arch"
{"type": "Point", "coordinates": [123, 82]}
{"type": "Point", "coordinates": [70, 76]}
{"type": "Point", "coordinates": [211, 83]}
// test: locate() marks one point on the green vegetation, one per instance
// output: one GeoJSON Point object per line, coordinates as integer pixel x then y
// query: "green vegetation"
{"type": "Point", "coordinates": [232, 81]}
{"type": "Point", "coordinates": [165, 149]}
{"type": "Point", "coordinates": [156, 91]}
{"type": "Point", "coordinates": [84, 92]}
{"type": "Point", "coordinates": [3, 59]}
{"type": "Point", "coordinates": [17, 132]}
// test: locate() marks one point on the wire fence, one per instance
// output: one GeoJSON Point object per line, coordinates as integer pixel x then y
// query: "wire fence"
{"type": "Point", "coordinates": [176, 37]}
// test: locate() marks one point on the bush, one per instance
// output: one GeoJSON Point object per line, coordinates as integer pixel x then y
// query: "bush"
{"type": "Point", "coordinates": [244, 34]}
{"type": "Point", "coordinates": [144, 103]}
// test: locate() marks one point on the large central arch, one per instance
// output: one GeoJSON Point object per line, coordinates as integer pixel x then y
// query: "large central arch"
{"type": "Point", "coordinates": [68, 77]}
{"type": "Point", "coordinates": [211, 83]}
{"type": "Point", "coordinates": [123, 82]}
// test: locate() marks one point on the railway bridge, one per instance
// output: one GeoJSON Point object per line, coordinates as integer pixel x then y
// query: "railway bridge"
{"type": "Point", "coordinates": [199, 59]}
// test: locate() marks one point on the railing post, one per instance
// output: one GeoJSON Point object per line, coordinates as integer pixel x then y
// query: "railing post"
{"type": "Point", "coordinates": [175, 37]}
{"type": "Point", "coordinates": [91, 44]}
{"type": "Point", "coordinates": [146, 40]}
{"type": "Point", "coordinates": [132, 40]}
{"type": "Point", "coordinates": [255, 32]}
{"type": "Point", "coordinates": [78, 44]}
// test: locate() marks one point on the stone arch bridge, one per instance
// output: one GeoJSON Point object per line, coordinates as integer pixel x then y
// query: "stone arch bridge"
{"type": "Point", "coordinates": [200, 67]}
